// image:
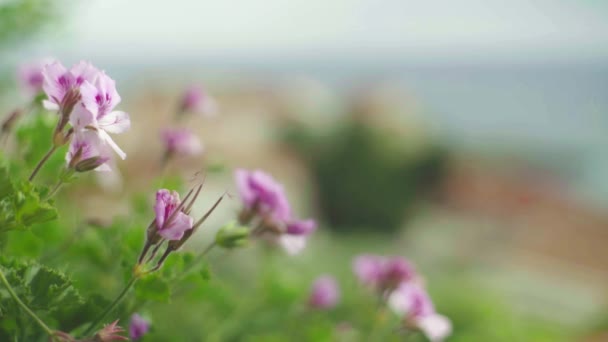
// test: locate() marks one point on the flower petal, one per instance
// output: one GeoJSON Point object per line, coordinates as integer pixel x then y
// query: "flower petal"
{"type": "Point", "coordinates": [436, 327]}
{"type": "Point", "coordinates": [292, 244]}
{"type": "Point", "coordinates": [176, 228]}
{"type": "Point", "coordinates": [81, 117]}
{"type": "Point", "coordinates": [108, 140]}
{"type": "Point", "coordinates": [88, 94]}
{"type": "Point", "coordinates": [115, 122]}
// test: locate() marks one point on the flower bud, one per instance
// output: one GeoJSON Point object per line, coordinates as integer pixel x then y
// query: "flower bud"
{"type": "Point", "coordinates": [90, 164]}
{"type": "Point", "coordinates": [232, 235]}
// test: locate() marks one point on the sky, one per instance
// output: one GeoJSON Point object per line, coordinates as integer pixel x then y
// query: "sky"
{"type": "Point", "coordinates": [421, 30]}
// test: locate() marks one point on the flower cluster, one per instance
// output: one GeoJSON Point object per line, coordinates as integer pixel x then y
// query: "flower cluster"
{"type": "Point", "coordinates": [172, 223]}
{"type": "Point", "coordinates": [84, 97]}
{"type": "Point", "coordinates": [397, 283]}
{"type": "Point", "coordinates": [266, 208]}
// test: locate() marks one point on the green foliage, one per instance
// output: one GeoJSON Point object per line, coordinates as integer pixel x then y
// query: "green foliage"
{"type": "Point", "coordinates": [22, 204]}
{"type": "Point", "coordinates": [34, 139]}
{"type": "Point", "coordinates": [365, 177]}
{"type": "Point", "coordinates": [153, 287]}
{"type": "Point", "coordinates": [48, 292]}
{"type": "Point", "coordinates": [20, 19]}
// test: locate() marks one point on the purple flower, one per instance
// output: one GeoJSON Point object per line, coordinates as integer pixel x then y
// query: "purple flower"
{"type": "Point", "coordinates": [181, 141]}
{"type": "Point", "coordinates": [261, 193]}
{"type": "Point", "coordinates": [58, 81]}
{"type": "Point", "coordinates": [369, 269]}
{"type": "Point", "coordinates": [88, 152]}
{"type": "Point", "coordinates": [325, 293]}
{"type": "Point", "coordinates": [30, 76]}
{"type": "Point", "coordinates": [381, 273]}
{"type": "Point", "coordinates": [301, 227]}
{"type": "Point", "coordinates": [171, 225]}
{"type": "Point", "coordinates": [413, 303]}
{"type": "Point", "coordinates": [397, 270]}
{"type": "Point", "coordinates": [139, 327]}
{"type": "Point", "coordinates": [95, 112]}
{"type": "Point", "coordinates": [196, 100]}
{"type": "Point", "coordinates": [264, 199]}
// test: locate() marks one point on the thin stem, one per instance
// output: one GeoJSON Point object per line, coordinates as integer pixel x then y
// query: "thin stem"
{"type": "Point", "coordinates": [198, 259]}
{"type": "Point", "coordinates": [24, 306]}
{"type": "Point", "coordinates": [111, 306]}
{"type": "Point", "coordinates": [42, 162]}
{"type": "Point", "coordinates": [55, 189]}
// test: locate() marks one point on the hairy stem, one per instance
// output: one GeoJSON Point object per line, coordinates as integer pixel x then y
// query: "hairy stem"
{"type": "Point", "coordinates": [42, 162]}
{"type": "Point", "coordinates": [112, 305]}
{"type": "Point", "coordinates": [24, 306]}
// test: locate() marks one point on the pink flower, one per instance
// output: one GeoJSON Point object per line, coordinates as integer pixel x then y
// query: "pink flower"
{"type": "Point", "coordinates": [196, 100]}
{"type": "Point", "coordinates": [88, 152]}
{"type": "Point", "coordinates": [325, 293]}
{"type": "Point", "coordinates": [110, 332]}
{"type": "Point", "coordinates": [301, 227]}
{"type": "Point", "coordinates": [369, 269]}
{"type": "Point", "coordinates": [96, 111]}
{"type": "Point", "coordinates": [171, 225]}
{"type": "Point", "coordinates": [413, 303]}
{"type": "Point", "coordinates": [58, 81]}
{"type": "Point", "coordinates": [381, 273]}
{"type": "Point", "coordinates": [181, 141]}
{"type": "Point", "coordinates": [260, 192]}
{"type": "Point", "coordinates": [30, 76]}
{"type": "Point", "coordinates": [139, 327]}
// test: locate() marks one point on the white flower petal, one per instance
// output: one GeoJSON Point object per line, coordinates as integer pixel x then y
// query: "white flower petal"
{"type": "Point", "coordinates": [292, 244]}
{"type": "Point", "coordinates": [115, 122]}
{"type": "Point", "coordinates": [108, 140]}
{"type": "Point", "coordinates": [436, 327]}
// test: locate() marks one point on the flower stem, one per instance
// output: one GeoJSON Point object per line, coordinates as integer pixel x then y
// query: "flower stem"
{"type": "Point", "coordinates": [198, 259]}
{"type": "Point", "coordinates": [111, 306]}
{"type": "Point", "coordinates": [24, 306]}
{"type": "Point", "coordinates": [42, 162]}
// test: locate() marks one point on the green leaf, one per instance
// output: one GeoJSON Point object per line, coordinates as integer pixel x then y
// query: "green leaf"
{"type": "Point", "coordinates": [21, 204]}
{"type": "Point", "coordinates": [153, 288]}
{"type": "Point", "coordinates": [48, 292]}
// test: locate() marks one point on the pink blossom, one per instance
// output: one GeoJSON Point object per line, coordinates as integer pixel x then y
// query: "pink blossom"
{"type": "Point", "coordinates": [369, 269]}
{"type": "Point", "coordinates": [170, 225]}
{"type": "Point", "coordinates": [90, 152]}
{"type": "Point", "coordinates": [30, 76]}
{"type": "Point", "coordinates": [181, 141]}
{"type": "Point", "coordinates": [325, 293]}
{"type": "Point", "coordinates": [381, 273]}
{"type": "Point", "coordinates": [110, 332]}
{"type": "Point", "coordinates": [138, 328]}
{"type": "Point", "coordinates": [96, 110]}
{"type": "Point", "coordinates": [196, 100]}
{"type": "Point", "coordinates": [260, 192]}
{"type": "Point", "coordinates": [58, 81]}
{"type": "Point", "coordinates": [301, 227]}
{"type": "Point", "coordinates": [413, 303]}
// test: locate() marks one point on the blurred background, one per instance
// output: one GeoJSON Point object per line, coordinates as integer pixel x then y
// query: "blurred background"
{"type": "Point", "coordinates": [469, 137]}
